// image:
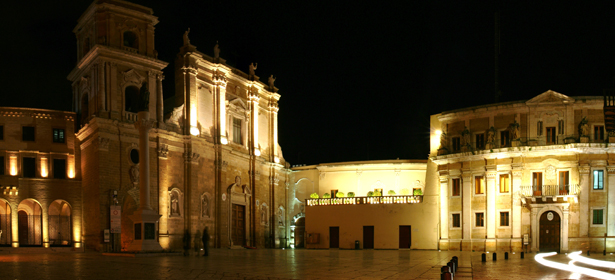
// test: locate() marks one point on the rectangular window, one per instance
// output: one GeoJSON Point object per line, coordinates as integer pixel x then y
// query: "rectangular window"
{"type": "Point", "coordinates": [597, 220]}
{"type": "Point", "coordinates": [456, 189]}
{"type": "Point", "coordinates": [480, 219]}
{"type": "Point", "coordinates": [59, 168]}
{"type": "Point", "coordinates": [58, 135]}
{"type": "Point", "coordinates": [551, 136]}
{"type": "Point", "coordinates": [1, 165]}
{"type": "Point", "coordinates": [479, 185]}
{"type": "Point", "coordinates": [504, 138]}
{"type": "Point", "coordinates": [504, 183]}
{"type": "Point", "coordinates": [504, 222]}
{"type": "Point", "coordinates": [564, 181]}
{"type": "Point", "coordinates": [1, 132]}
{"type": "Point", "coordinates": [28, 133]}
{"type": "Point", "coordinates": [539, 128]}
{"type": "Point", "coordinates": [456, 220]}
{"type": "Point", "coordinates": [598, 179]}
{"type": "Point", "coordinates": [29, 167]}
{"type": "Point", "coordinates": [237, 131]}
{"type": "Point", "coordinates": [598, 132]}
{"type": "Point", "coordinates": [456, 144]}
{"type": "Point", "coordinates": [537, 181]}
{"type": "Point", "coordinates": [560, 127]}
{"type": "Point", "coordinates": [480, 141]}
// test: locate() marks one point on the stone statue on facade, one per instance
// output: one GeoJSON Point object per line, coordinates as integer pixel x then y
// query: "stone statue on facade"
{"type": "Point", "coordinates": [216, 51]}
{"type": "Point", "coordinates": [280, 217]}
{"type": "Point", "coordinates": [271, 81]}
{"type": "Point", "coordinates": [134, 174]}
{"type": "Point", "coordinates": [584, 128]}
{"type": "Point", "coordinates": [144, 98]}
{"type": "Point", "coordinates": [205, 206]}
{"type": "Point", "coordinates": [264, 215]}
{"type": "Point", "coordinates": [491, 135]}
{"type": "Point", "coordinates": [465, 137]}
{"type": "Point", "coordinates": [514, 130]}
{"type": "Point", "coordinates": [253, 68]}
{"type": "Point", "coordinates": [443, 140]}
{"type": "Point", "coordinates": [186, 39]}
{"type": "Point", "coordinates": [174, 204]}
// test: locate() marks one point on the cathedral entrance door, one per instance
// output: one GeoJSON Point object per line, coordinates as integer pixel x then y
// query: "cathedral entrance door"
{"type": "Point", "coordinates": [23, 228]}
{"type": "Point", "coordinates": [549, 232]}
{"type": "Point", "coordinates": [239, 221]}
{"type": "Point", "coordinates": [299, 233]}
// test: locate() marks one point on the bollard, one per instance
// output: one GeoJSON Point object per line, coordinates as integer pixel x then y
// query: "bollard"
{"type": "Point", "coordinates": [456, 260]}
{"type": "Point", "coordinates": [588, 252]}
{"type": "Point", "coordinates": [522, 255]}
{"type": "Point", "coordinates": [604, 252]}
{"type": "Point", "coordinates": [454, 266]}
{"type": "Point", "coordinates": [484, 257]}
{"type": "Point", "coordinates": [446, 276]}
{"type": "Point", "coordinates": [451, 266]}
{"type": "Point", "coordinates": [495, 256]}
{"type": "Point", "coordinates": [445, 269]}
{"type": "Point", "coordinates": [505, 255]}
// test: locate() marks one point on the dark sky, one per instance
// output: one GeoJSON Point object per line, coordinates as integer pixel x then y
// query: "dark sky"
{"type": "Point", "coordinates": [358, 79]}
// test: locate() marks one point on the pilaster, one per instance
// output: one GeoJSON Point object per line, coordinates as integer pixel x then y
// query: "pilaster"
{"type": "Point", "coordinates": [444, 210]}
{"type": "Point", "coordinates": [466, 243]}
{"type": "Point", "coordinates": [516, 243]}
{"type": "Point", "coordinates": [584, 201]}
{"type": "Point", "coordinates": [491, 209]}
{"type": "Point", "coordinates": [610, 188]}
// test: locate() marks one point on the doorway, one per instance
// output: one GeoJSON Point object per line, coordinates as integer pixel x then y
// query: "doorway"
{"type": "Point", "coordinates": [300, 233]}
{"type": "Point", "coordinates": [404, 237]}
{"type": "Point", "coordinates": [549, 232]}
{"type": "Point", "coordinates": [334, 237]}
{"type": "Point", "coordinates": [238, 225]}
{"type": "Point", "coordinates": [368, 237]}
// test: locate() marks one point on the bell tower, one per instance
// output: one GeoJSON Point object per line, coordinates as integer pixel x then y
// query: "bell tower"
{"type": "Point", "coordinates": [115, 58]}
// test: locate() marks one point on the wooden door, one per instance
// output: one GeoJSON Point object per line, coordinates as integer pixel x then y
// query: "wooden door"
{"type": "Point", "coordinates": [549, 232]}
{"type": "Point", "coordinates": [368, 237]}
{"type": "Point", "coordinates": [551, 136]}
{"type": "Point", "coordinates": [300, 233]}
{"type": "Point", "coordinates": [239, 225]}
{"type": "Point", "coordinates": [334, 237]}
{"type": "Point", "coordinates": [23, 227]}
{"type": "Point", "coordinates": [404, 237]}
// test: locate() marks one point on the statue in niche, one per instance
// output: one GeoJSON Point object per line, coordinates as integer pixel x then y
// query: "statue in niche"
{"type": "Point", "coordinates": [252, 69]}
{"type": "Point", "coordinates": [491, 135]}
{"type": "Point", "coordinates": [514, 130]}
{"type": "Point", "coordinates": [271, 81]}
{"type": "Point", "coordinates": [134, 174]}
{"type": "Point", "coordinates": [216, 51]}
{"type": "Point", "coordinates": [186, 39]}
{"type": "Point", "coordinates": [280, 217]}
{"type": "Point", "coordinates": [584, 127]}
{"type": "Point", "coordinates": [205, 206]}
{"type": "Point", "coordinates": [264, 215]}
{"type": "Point", "coordinates": [144, 98]}
{"type": "Point", "coordinates": [174, 204]}
{"type": "Point", "coordinates": [465, 137]}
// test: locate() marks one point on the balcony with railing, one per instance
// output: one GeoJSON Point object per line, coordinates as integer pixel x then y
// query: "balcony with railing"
{"type": "Point", "coordinates": [456, 147]}
{"type": "Point", "coordinates": [550, 190]}
{"type": "Point", "coordinates": [393, 199]}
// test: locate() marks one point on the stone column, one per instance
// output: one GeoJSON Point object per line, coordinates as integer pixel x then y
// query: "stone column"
{"type": "Point", "coordinates": [254, 108]}
{"type": "Point", "coordinates": [14, 225]}
{"type": "Point", "coordinates": [145, 217]}
{"type": "Point", "coordinates": [444, 214]}
{"type": "Point", "coordinates": [584, 201]}
{"type": "Point", "coordinates": [466, 243]}
{"type": "Point", "coordinates": [516, 217]}
{"type": "Point", "coordinates": [534, 229]}
{"type": "Point", "coordinates": [273, 108]}
{"type": "Point", "coordinates": [490, 243]}
{"type": "Point", "coordinates": [220, 92]}
{"type": "Point", "coordinates": [610, 188]}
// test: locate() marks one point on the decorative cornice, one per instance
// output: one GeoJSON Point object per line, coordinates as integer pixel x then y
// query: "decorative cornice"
{"type": "Point", "coordinates": [163, 151]}
{"type": "Point", "coordinates": [584, 170]}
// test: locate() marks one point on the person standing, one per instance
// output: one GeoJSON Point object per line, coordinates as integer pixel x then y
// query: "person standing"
{"type": "Point", "coordinates": [205, 242]}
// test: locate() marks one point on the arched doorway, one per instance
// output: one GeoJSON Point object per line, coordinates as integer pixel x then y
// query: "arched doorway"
{"type": "Point", "coordinates": [60, 224]}
{"type": "Point", "coordinates": [30, 223]}
{"type": "Point", "coordinates": [300, 233]}
{"type": "Point", "coordinates": [5, 223]}
{"type": "Point", "coordinates": [549, 232]}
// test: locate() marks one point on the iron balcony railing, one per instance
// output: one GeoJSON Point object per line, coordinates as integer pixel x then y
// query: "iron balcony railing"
{"type": "Point", "coordinates": [393, 199]}
{"type": "Point", "coordinates": [550, 190]}
{"type": "Point", "coordinates": [523, 141]}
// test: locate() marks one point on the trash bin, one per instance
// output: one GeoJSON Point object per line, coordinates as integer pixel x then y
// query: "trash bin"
{"type": "Point", "coordinates": [356, 245]}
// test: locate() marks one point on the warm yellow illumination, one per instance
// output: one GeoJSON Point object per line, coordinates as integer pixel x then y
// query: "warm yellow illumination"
{"type": "Point", "coordinates": [438, 132]}
{"type": "Point", "coordinates": [223, 140]}
{"type": "Point", "coordinates": [13, 163]}
{"type": "Point", "coordinates": [276, 159]}
{"type": "Point", "coordinates": [257, 152]}
{"type": "Point", "coordinates": [71, 173]}
{"type": "Point", "coordinates": [44, 168]}
{"type": "Point", "coordinates": [194, 131]}
{"type": "Point", "coordinates": [192, 115]}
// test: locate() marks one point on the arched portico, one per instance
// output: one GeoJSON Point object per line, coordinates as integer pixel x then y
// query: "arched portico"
{"type": "Point", "coordinates": [560, 209]}
{"type": "Point", "coordinates": [59, 221]}
{"type": "Point", "coordinates": [29, 223]}
{"type": "Point", "coordinates": [5, 223]}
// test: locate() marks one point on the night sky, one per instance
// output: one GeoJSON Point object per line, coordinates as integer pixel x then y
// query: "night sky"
{"type": "Point", "coordinates": [358, 80]}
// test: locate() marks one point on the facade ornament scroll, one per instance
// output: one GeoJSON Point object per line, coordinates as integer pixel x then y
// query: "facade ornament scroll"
{"type": "Point", "coordinates": [584, 170]}
{"type": "Point", "coordinates": [610, 169]}
{"type": "Point", "coordinates": [490, 174]}
{"type": "Point", "coordinates": [191, 157]}
{"type": "Point", "coordinates": [321, 175]}
{"type": "Point", "coordinates": [163, 151]}
{"type": "Point", "coordinates": [551, 172]}
{"type": "Point", "coordinates": [517, 173]}
{"type": "Point", "coordinates": [219, 78]}
{"type": "Point", "coordinates": [103, 144]}
{"type": "Point", "coordinates": [273, 106]}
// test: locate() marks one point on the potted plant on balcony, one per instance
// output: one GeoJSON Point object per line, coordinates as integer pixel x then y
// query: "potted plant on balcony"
{"type": "Point", "coordinates": [391, 192]}
{"type": "Point", "coordinates": [377, 193]}
{"type": "Point", "coordinates": [314, 195]}
{"type": "Point", "coordinates": [326, 195]}
{"type": "Point", "coordinates": [370, 193]}
{"type": "Point", "coordinates": [339, 194]}
{"type": "Point", "coordinates": [404, 191]}
{"type": "Point", "coordinates": [418, 192]}
{"type": "Point", "coordinates": [350, 194]}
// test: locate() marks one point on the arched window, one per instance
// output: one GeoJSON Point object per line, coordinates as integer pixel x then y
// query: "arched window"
{"type": "Point", "coordinates": [131, 40]}
{"type": "Point", "coordinates": [131, 98]}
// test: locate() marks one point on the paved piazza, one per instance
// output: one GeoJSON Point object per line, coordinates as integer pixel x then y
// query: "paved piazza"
{"type": "Point", "coordinates": [278, 264]}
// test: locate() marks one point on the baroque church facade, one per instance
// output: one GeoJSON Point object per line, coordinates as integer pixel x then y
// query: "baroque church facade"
{"type": "Point", "coordinates": [215, 160]}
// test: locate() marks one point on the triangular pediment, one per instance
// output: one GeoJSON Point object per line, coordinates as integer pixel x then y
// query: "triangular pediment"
{"type": "Point", "coordinates": [132, 76]}
{"type": "Point", "coordinates": [238, 103]}
{"type": "Point", "coordinates": [550, 96]}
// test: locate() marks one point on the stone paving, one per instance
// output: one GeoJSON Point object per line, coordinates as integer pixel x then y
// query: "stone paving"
{"type": "Point", "coordinates": [279, 264]}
